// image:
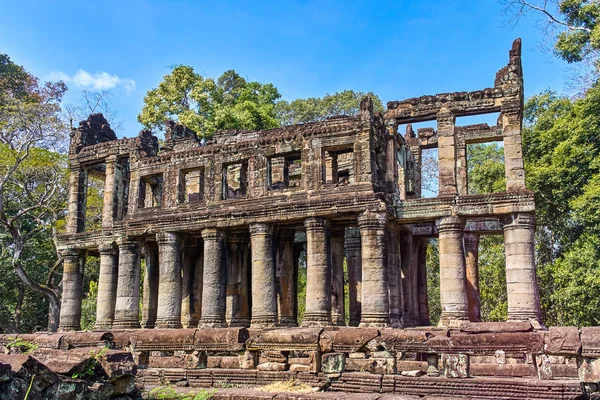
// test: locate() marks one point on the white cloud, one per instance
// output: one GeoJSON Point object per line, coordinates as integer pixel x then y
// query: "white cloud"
{"type": "Point", "coordinates": [97, 81]}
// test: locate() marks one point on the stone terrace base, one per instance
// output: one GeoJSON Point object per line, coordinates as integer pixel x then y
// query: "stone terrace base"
{"type": "Point", "coordinates": [251, 394]}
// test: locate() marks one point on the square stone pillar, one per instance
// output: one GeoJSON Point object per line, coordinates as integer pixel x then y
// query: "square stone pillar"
{"type": "Point", "coordinates": [214, 280]}
{"type": "Point", "coordinates": [190, 311]}
{"type": "Point", "coordinates": [286, 278]}
{"type": "Point", "coordinates": [512, 121]}
{"type": "Point", "coordinates": [446, 152]}
{"type": "Point", "coordinates": [394, 276]}
{"type": "Point", "coordinates": [77, 199]}
{"type": "Point", "coordinates": [521, 281]}
{"type": "Point", "coordinates": [168, 314]}
{"type": "Point", "coordinates": [375, 289]}
{"type": "Point", "coordinates": [264, 301]}
{"type": "Point", "coordinates": [421, 248]}
{"type": "Point", "coordinates": [354, 264]}
{"type": "Point", "coordinates": [108, 203]}
{"type": "Point", "coordinates": [107, 286]}
{"type": "Point", "coordinates": [338, 314]}
{"type": "Point", "coordinates": [453, 278]}
{"type": "Point", "coordinates": [127, 306]}
{"type": "Point", "coordinates": [72, 292]}
{"type": "Point", "coordinates": [150, 288]}
{"type": "Point", "coordinates": [408, 264]}
{"type": "Point", "coordinates": [472, 264]}
{"type": "Point", "coordinates": [238, 312]}
{"type": "Point", "coordinates": [318, 273]}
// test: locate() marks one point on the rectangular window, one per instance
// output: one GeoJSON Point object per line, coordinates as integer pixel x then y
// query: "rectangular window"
{"type": "Point", "coordinates": [151, 191]}
{"type": "Point", "coordinates": [235, 180]}
{"type": "Point", "coordinates": [284, 171]}
{"type": "Point", "coordinates": [339, 167]}
{"type": "Point", "coordinates": [191, 185]}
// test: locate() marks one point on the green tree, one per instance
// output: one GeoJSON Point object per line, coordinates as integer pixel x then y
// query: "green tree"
{"type": "Point", "coordinates": [313, 109]}
{"type": "Point", "coordinates": [562, 161]}
{"type": "Point", "coordinates": [32, 180]}
{"type": "Point", "coordinates": [206, 105]}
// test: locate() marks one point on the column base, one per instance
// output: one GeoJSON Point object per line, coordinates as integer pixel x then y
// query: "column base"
{"type": "Point", "coordinates": [338, 320]}
{"type": "Point", "coordinates": [452, 322]}
{"type": "Point", "coordinates": [101, 326]}
{"type": "Point", "coordinates": [316, 320]}
{"type": "Point", "coordinates": [374, 321]}
{"type": "Point", "coordinates": [206, 323]}
{"type": "Point", "coordinates": [263, 322]}
{"type": "Point", "coordinates": [148, 324]}
{"type": "Point", "coordinates": [239, 323]}
{"type": "Point", "coordinates": [168, 324]}
{"type": "Point", "coordinates": [191, 323]}
{"type": "Point", "coordinates": [126, 324]}
{"type": "Point", "coordinates": [287, 321]}
{"type": "Point", "coordinates": [65, 328]}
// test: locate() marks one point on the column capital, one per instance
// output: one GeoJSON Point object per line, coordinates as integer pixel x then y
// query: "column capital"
{"type": "Point", "coordinates": [128, 245]}
{"type": "Point", "coordinates": [471, 239]}
{"type": "Point", "coordinates": [338, 231]}
{"type": "Point", "coordinates": [167, 238]}
{"type": "Point", "coordinates": [518, 220]}
{"type": "Point", "coordinates": [212, 234]}
{"type": "Point", "coordinates": [106, 249]}
{"type": "Point", "coordinates": [445, 117]}
{"type": "Point", "coordinates": [371, 220]}
{"type": "Point", "coordinates": [450, 223]}
{"type": "Point", "coordinates": [69, 253]}
{"type": "Point", "coordinates": [261, 229]}
{"type": "Point", "coordinates": [316, 223]}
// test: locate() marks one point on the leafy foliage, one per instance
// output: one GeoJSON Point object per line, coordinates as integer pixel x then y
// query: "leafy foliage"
{"type": "Point", "coordinates": [206, 105]}
{"type": "Point", "coordinates": [22, 346]}
{"type": "Point", "coordinates": [313, 109]}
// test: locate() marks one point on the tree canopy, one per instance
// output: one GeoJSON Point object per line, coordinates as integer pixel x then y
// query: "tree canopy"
{"type": "Point", "coordinates": [206, 105]}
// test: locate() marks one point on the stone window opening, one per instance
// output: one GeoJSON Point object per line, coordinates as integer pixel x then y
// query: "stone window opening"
{"type": "Point", "coordinates": [191, 185]}
{"type": "Point", "coordinates": [235, 180]}
{"type": "Point", "coordinates": [284, 171]}
{"type": "Point", "coordinates": [429, 172]}
{"type": "Point", "coordinates": [485, 161]}
{"type": "Point", "coordinates": [94, 196]}
{"type": "Point", "coordinates": [151, 191]}
{"type": "Point", "coordinates": [339, 167]}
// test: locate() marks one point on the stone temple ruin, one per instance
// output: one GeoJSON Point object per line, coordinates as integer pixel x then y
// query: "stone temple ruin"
{"type": "Point", "coordinates": [217, 229]}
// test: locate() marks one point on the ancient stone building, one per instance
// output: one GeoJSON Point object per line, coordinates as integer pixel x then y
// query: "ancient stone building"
{"type": "Point", "coordinates": [216, 229]}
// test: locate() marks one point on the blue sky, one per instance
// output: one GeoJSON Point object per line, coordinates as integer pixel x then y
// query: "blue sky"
{"type": "Point", "coordinates": [396, 49]}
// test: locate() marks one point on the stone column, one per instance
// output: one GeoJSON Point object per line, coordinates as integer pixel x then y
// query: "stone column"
{"type": "Point", "coordinates": [190, 316]}
{"type": "Point", "coordinates": [422, 281]}
{"type": "Point", "coordinates": [127, 306]}
{"type": "Point", "coordinates": [521, 281]}
{"type": "Point", "coordinates": [446, 152]}
{"type": "Point", "coordinates": [72, 292]}
{"type": "Point", "coordinates": [214, 280]}
{"type": "Point", "coordinates": [472, 264]}
{"type": "Point", "coordinates": [77, 198]}
{"type": "Point", "coordinates": [264, 301]}
{"type": "Point", "coordinates": [394, 277]}
{"type": "Point", "coordinates": [338, 315]}
{"type": "Point", "coordinates": [108, 204]}
{"type": "Point", "coordinates": [453, 279]}
{"type": "Point", "coordinates": [168, 314]}
{"type": "Point", "coordinates": [318, 273]}
{"type": "Point", "coordinates": [237, 281]}
{"type": "Point", "coordinates": [407, 269]}
{"type": "Point", "coordinates": [375, 289]}
{"type": "Point", "coordinates": [150, 291]}
{"type": "Point", "coordinates": [513, 150]}
{"type": "Point", "coordinates": [107, 286]}
{"type": "Point", "coordinates": [354, 264]}
{"type": "Point", "coordinates": [286, 278]}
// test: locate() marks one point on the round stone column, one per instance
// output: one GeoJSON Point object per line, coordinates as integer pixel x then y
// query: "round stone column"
{"type": "Point", "coordinates": [214, 281]}
{"type": "Point", "coordinates": [453, 279]}
{"type": "Point", "coordinates": [318, 273]}
{"type": "Point", "coordinates": [127, 306]}
{"type": "Point", "coordinates": [354, 264]}
{"type": "Point", "coordinates": [472, 265]}
{"type": "Point", "coordinates": [72, 285]}
{"type": "Point", "coordinates": [521, 281]}
{"type": "Point", "coordinates": [375, 290]}
{"type": "Point", "coordinates": [168, 314]}
{"type": "Point", "coordinates": [337, 277]}
{"type": "Point", "coordinates": [286, 278]}
{"type": "Point", "coordinates": [264, 301]}
{"type": "Point", "coordinates": [107, 286]}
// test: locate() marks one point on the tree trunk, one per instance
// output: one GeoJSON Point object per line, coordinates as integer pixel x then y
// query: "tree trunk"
{"type": "Point", "coordinates": [53, 313]}
{"type": "Point", "coordinates": [19, 308]}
